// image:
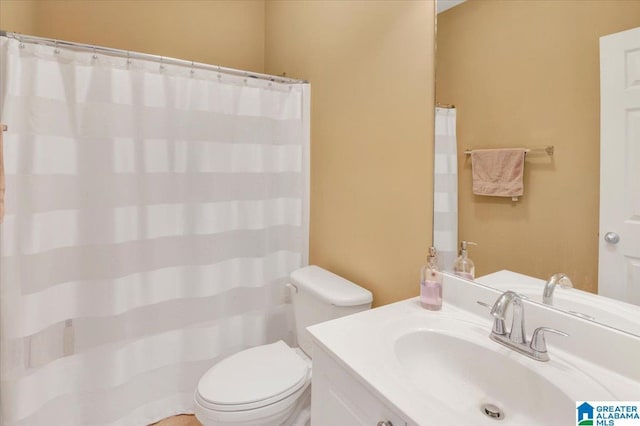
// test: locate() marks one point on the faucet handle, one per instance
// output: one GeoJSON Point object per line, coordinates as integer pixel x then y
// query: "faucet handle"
{"type": "Point", "coordinates": [498, 323]}
{"type": "Point", "coordinates": [538, 343]}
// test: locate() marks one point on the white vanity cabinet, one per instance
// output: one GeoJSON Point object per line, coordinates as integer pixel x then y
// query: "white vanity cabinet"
{"type": "Point", "coordinates": [338, 398]}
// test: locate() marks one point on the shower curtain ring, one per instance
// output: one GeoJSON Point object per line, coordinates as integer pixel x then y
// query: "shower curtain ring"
{"type": "Point", "coordinates": [192, 72]}
{"type": "Point", "coordinates": [55, 47]}
{"type": "Point", "coordinates": [95, 55]}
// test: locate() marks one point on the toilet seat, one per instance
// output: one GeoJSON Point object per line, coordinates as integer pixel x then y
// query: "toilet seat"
{"type": "Point", "coordinates": [254, 378]}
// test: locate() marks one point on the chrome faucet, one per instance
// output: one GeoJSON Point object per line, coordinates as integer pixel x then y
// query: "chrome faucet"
{"type": "Point", "coordinates": [562, 279]}
{"type": "Point", "coordinates": [516, 338]}
{"type": "Point", "coordinates": [499, 309]}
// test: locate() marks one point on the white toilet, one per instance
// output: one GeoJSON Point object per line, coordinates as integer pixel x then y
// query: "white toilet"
{"type": "Point", "coordinates": [270, 384]}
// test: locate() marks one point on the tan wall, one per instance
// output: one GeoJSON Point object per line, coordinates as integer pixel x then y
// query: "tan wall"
{"type": "Point", "coordinates": [17, 16]}
{"type": "Point", "coordinates": [370, 65]}
{"type": "Point", "coordinates": [526, 73]}
{"type": "Point", "coordinates": [228, 33]}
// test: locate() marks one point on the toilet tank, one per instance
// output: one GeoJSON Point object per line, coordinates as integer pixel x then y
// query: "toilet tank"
{"type": "Point", "coordinates": [320, 296]}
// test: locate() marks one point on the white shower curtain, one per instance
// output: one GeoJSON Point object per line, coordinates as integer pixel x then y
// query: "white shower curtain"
{"type": "Point", "coordinates": [445, 193]}
{"type": "Point", "coordinates": [153, 214]}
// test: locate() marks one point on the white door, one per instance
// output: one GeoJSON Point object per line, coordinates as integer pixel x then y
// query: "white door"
{"type": "Point", "coordinates": [619, 248]}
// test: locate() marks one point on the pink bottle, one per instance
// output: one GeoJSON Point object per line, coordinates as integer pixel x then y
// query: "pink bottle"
{"type": "Point", "coordinates": [431, 283]}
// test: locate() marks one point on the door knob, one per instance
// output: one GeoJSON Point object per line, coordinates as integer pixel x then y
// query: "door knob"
{"type": "Point", "coordinates": [612, 237]}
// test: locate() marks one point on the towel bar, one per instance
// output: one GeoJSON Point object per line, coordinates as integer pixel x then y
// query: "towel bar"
{"type": "Point", "coordinates": [547, 150]}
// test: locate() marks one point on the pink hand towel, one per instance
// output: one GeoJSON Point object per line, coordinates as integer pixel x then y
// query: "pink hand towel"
{"type": "Point", "coordinates": [498, 172]}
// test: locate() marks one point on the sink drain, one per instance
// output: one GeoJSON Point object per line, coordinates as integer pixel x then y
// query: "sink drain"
{"type": "Point", "coordinates": [492, 411]}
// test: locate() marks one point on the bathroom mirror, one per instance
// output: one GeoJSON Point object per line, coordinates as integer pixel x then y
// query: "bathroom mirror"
{"type": "Point", "coordinates": [527, 74]}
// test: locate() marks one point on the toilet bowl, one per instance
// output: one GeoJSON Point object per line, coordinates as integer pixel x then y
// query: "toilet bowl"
{"type": "Point", "coordinates": [270, 385]}
{"type": "Point", "coordinates": [265, 385]}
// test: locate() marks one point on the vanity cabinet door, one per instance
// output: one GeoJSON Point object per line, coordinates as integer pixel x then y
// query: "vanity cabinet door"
{"type": "Point", "coordinates": [338, 399]}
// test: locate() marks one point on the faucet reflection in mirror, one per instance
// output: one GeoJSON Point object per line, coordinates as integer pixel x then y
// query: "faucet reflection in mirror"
{"type": "Point", "coordinates": [561, 279]}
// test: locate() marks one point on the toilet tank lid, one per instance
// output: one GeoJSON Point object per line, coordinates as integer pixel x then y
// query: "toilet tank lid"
{"type": "Point", "coordinates": [330, 287]}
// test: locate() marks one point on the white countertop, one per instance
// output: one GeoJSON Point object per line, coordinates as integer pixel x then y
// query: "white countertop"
{"type": "Point", "coordinates": [364, 345]}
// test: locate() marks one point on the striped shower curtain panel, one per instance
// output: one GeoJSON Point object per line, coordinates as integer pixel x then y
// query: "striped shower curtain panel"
{"type": "Point", "coordinates": [153, 214]}
{"type": "Point", "coordinates": [445, 194]}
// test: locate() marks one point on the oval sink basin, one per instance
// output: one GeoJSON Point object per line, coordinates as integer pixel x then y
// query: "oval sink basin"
{"type": "Point", "coordinates": [464, 376]}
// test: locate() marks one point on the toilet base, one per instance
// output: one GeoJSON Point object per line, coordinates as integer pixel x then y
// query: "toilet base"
{"type": "Point", "coordinates": [301, 413]}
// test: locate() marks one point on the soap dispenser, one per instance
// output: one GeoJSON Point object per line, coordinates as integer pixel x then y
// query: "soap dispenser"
{"type": "Point", "coordinates": [463, 266]}
{"type": "Point", "coordinates": [431, 283]}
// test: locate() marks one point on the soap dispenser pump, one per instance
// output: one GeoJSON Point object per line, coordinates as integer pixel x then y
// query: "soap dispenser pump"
{"type": "Point", "coordinates": [463, 266]}
{"type": "Point", "coordinates": [431, 283]}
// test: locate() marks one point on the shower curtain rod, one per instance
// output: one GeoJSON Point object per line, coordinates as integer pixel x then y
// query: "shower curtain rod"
{"type": "Point", "coordinates": [146, 56]}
